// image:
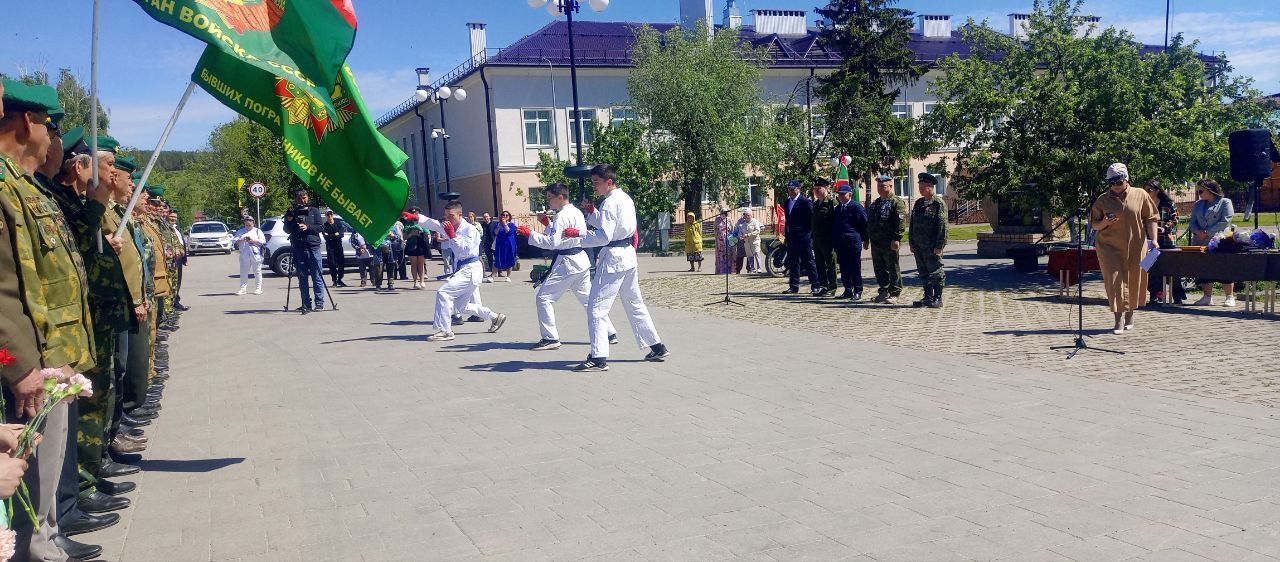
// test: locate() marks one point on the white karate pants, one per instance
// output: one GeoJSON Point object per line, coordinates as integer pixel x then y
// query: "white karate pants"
{"type": "Point", "coordinates": [607, 287]}
{"type": "Point", "coordinates": [461, 287]}
{"type": "Point", "coordinates": [250, 265]}
{"type": "Point", "coordinates": [553, 287]}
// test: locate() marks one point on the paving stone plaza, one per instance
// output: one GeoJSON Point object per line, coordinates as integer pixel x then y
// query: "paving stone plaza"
{"type": "Point", "coordinates": [788, 429]}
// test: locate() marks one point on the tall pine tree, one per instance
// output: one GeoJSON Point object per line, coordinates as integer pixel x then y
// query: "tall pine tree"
{"type": "Point", "coordinates": [874, 39]}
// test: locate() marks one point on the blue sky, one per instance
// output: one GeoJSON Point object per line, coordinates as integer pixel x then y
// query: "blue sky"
{"type": "Point", "coordinates": [145, 65]}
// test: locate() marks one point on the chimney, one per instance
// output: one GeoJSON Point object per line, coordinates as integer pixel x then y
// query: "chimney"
{"type": "Point", "coordinates": [694, 13]}
{"type": "Point", "coordinates": [935, 26]}
{"type": "Point", "coordinates": [1085, 23]}
{"type": "Point", "coordinates": [732, 16]}
{"type": "Point", "coordinates": [1018, 25]}
{"type": "Point", "coordinates": [782, 22]}
{"type": "Point", "coordinates": [479, 42]}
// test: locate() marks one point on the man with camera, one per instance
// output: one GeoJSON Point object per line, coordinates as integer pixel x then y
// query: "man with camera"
{"type": "Point", "coordinates": [304, 223]}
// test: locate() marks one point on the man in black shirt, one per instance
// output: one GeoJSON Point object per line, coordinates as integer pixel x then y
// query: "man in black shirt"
{"type": "Point", "coordinates": [333, 232]}
{"type": "Point", "coordinates": [304, 224]}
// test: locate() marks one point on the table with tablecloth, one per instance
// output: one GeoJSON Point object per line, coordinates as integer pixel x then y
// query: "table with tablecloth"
{"type": "Point", "coordinates": [1263, 267]}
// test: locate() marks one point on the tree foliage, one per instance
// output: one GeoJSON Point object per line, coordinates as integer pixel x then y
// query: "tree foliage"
{"type": "Point", "coordinates": [73, 96]}
{"type": "Point", "coordinates": [643, 161]}
{"type": "Point", "coordinates": [699, 96]}
{"type": "Point", "coordinates": [873, 38]}
{"type": "Point", "coordinates": [1057, 107]}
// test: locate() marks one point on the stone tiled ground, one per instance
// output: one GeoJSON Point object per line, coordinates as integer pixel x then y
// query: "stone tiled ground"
{"type": "Point", "coordinates": [345, 436]}
{"type": "Point", "coordinates": [992, 313]}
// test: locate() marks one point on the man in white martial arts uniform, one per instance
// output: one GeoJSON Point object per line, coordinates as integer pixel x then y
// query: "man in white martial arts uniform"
{"type": "Point", "coordinates": [570, 269]}
{"type": "Point", "coordinates": [250, 240]}
{"type": "Point", "coordinates": [616, 275]}
{"type": "Point", "coordinates": [462, 288]}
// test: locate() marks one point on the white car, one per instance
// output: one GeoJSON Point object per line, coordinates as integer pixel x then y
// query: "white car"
{"type": "Point", "coordinates": [208, 236]}
{"type": "Point", "coordinates": [278, 256]}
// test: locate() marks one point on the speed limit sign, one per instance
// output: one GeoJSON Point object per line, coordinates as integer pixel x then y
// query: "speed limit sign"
{"type": "Point", "coordinates": [257, 189]}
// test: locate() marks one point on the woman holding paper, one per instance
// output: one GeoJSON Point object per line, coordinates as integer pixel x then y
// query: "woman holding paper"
{"type": "Point", "coordinates": [1125, 221]}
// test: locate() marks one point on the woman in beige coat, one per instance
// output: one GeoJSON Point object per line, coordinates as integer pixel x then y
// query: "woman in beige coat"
{"type": "Point", "coordinates": [1125, 221]}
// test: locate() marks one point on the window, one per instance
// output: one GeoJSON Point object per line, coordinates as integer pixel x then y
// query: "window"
{"type": "Point", "coordinates": [902, 182]}
{"type": "Point", "coordinates": [537, 127]}
{"type": "Point", "coordinates": [588, 117]}
{"type": "Point", "coordinates": [537, 199]}
{"type": "Point", "coordinates": [902, 110]}
{"type": "Point", "coordinates": [755, 191]}
{"type": "Point", "coordinates": [621, 115]}
{"type": "Point", "coordinates": [818, 126]}
{"type": "Point", "coordinates": [929, 107]}
{"type": "Point", "coordinates": [939, 171]}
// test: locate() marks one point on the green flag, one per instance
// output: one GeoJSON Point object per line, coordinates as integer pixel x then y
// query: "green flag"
{"type": "Point", "coordinates": [339, 153]}
{"type": "Point", "coordinates": [307, 40]}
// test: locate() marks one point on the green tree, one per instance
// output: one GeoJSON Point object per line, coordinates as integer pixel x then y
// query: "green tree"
{"type": "Point", "coordinates": [857, 99]}
{"type": "Point", "coordinates": [73, 96]}
{"type": "Point", "coordinates": [643, 161]}
{"type": "Point", "coordinates": [699, 96]}
{"type": "Point", "coordinates": [1054, 109]}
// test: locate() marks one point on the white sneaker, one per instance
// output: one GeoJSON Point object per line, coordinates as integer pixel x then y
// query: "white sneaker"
{"type": "Point", "coordinates": [507, 279]}
{"type": "Point", "coordinates": [440, 336]}
{"type": "Point", "coordinates": [1231, 301]}
{"type": "Point", "coordinates": [1206, 300]}
{"type": "Point", "coordinates": [488, 280]}
{"type": "Point", "coordinates": [242, 291]}
{"type": "Point", "coordinates": [257, 291]}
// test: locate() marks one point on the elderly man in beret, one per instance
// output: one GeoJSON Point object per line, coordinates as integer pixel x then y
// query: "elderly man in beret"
{"type": "Point", "coordinates": [928, 238]}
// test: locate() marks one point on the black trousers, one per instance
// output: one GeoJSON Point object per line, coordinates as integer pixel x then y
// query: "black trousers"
{"type": "Point", "coordinates": [337, 263]}
{"type": "Point", "coordinates": [824, 260]}
{"type": "Point", "coordinates": [800, 256]}
{"type": "Point", "coordinates": [849, 254]}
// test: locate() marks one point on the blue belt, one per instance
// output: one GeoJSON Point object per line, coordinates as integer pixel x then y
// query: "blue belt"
{"type": "Point", "coordinates": [457, 267]}
{"type": "Point", "coordinates": [620, 244]}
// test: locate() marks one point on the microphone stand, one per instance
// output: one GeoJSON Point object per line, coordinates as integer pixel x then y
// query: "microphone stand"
{"type": "Point", "coordinates": [727, 299]}
{"type": "Point", "coordinates": [1082, 214]}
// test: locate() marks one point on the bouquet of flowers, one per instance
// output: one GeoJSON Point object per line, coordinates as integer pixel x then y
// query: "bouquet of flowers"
{"type": "Point", "coordinates": [58, 388]}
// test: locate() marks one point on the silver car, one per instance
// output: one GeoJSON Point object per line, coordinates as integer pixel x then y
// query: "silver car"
{"type": "Point", "coordinates": [208, 236]}
{"type": "Point", "coordinates": [279, 255]}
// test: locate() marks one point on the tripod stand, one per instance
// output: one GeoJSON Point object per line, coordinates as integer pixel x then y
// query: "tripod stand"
{"type": "Point", "coordinates": [288, 293]}
{"type": "Point", "coordinates": [727, 299]}
{"type": "Point", "coordinates": [1079, 344]}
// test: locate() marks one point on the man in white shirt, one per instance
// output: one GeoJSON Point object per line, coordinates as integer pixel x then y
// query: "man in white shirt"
{"type": "Point", "coordinates": [462, 288]}
{"type": "Point", "coordinates": [570, 269]}
{"type": "Point", "coordinates": [616, 275]}
{"type": "Point", "coordinates": [250, 240]}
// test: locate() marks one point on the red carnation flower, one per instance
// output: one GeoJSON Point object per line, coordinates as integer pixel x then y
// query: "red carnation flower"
{"type": "Point", "coordinates": [6, 358]}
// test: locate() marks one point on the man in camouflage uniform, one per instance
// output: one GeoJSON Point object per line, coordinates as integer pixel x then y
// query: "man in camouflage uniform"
{"type": "Point", "coordinates": [180, 262]}
{"type": "Point", "coordinates": [928, 238]}
{"type": "Point", "coordinates": [137, 353]}
{"type": "Point", "coordinates": [53, 283]}
{"type": "Point", "coordinates": [886, 221]}
{"type": "Point", "coordinates": [824, 218]}
{"type": "Point", "coordinates": [137, 408]}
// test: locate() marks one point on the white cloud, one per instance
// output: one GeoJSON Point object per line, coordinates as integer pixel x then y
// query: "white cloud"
{"type": "Point", "coordinates": [140, 125]}
{"type": "Point", "coordinates": [384, 89]}
{"type": "Point", "coordinates": [1251, 40]}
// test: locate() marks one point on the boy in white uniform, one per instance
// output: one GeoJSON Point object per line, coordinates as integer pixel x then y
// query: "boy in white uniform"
{"type": "Point", "coordinates": [463, 286]}
{"type": "Point", "coordinates": [570, 270]}
{"type": "Point", "coordinates": [616, 275]}
{"type": "Point", "coordinates": [250, 240]}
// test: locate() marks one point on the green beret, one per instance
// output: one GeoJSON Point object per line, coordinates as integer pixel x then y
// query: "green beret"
{"type": "Point", "coordinates": [136, 176]}
{"type": "Point", "coordinates": [73, 142]}
{"type": "Point", "coordinates": [155, 190]}
{"type": "Point", "coordinates": [126, 163]}
{"type": "Point", "coordinates": [926, 177]}
{"type": "Point", "coordinates": [108, 143]}
{"type": "Point", "coordinates": [26, 97]}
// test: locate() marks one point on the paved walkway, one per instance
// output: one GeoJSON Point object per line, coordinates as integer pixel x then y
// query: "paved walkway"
{"type": "Point", "coordinates": [345, 436]}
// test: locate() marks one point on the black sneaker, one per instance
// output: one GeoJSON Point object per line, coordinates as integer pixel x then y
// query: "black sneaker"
{"type": "Point", "coordinates": [657, 352]}
{"type": "Point", "coordinates": [306, 310]}
{"type": "Point", "coordinates": [792, 290]}
{"type": "Point", "coordinates": [591, 365]}
{"type": "Point", "coordinates": [546, 345]}
{"type": "Point", "coordinates": [613, 339]}
{"type": "Point", "coordinates": [474, 318]}
{"type": "Point", "coordinates": [457, 320]}
{"type": "Point", "coordinates": [847, 294]}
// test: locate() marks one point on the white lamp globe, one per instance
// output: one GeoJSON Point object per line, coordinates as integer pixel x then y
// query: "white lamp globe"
{"type": "Point", "coordinates": [535, 4]}
{"type": "Point", "coordinates": [553, 8]}
{"type": "Point", "coordinates": [422, 95]}
{"type": "Point", "coordinates": [599, 5]}
{"type": "Point", "coordinates": [459, 94]}
{"type": "Point", "coordinates": [444, 92]}
{"type": "Point", "coordinates": [835, 161]}
{"type": "Point", "coordinates": [846, 159]}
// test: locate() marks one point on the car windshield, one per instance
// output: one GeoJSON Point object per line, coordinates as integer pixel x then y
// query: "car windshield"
{"type": "Point", "coordinates": [208, 228]}
{"type": "Point", "coordinates": [269, 225]}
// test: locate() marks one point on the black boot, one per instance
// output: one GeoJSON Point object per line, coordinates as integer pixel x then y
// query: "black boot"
{"type": "Point", "coordinates": [937, 297]}
{"type": "Point", "coordinates": [925, 299]}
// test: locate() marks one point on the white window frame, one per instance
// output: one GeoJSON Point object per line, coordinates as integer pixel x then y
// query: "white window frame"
{"type": "Point", "coordinates": [586, 124]}
{"type": "Point", "coordinates": [927, 107]}
{"type": "Point", "coordinates": [537, 121]}
{"type": "Point", "coordinates": [901, 110]}
{"type": "Point", "coordinates": [903, 183]}
{"type": "Point", "coordinates": [615, 119]}
{"type": "Point", "coordinates": [941, 188]}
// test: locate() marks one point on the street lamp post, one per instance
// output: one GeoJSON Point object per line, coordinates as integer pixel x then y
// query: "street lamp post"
{"type": "Point", "coordinates": [440, 96]}
{"type": "Point", "coordinates": [568, 8]}
{"type": "Point", "coordinates": [425, 82]}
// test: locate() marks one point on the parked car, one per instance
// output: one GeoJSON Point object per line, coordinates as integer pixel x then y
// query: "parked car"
{"type": "Point", "coordinates": [207, 236]}
{"type": "Point", "coordinates": [278, 256]}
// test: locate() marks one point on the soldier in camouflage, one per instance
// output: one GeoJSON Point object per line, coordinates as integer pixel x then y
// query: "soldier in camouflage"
{"type": "Point", "coordinates": [824, 218]}
{"type": "Point", "coordinates": [928, 238]}
{"type": "Point", "coordinates": [886, 221]}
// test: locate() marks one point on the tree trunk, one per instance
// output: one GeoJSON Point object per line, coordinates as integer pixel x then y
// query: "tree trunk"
{"type": "Point", "coordinates": [693, 197]}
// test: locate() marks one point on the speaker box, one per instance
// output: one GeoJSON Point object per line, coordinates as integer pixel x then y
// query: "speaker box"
{"type": "Point", "coordinates": [1251, 151]}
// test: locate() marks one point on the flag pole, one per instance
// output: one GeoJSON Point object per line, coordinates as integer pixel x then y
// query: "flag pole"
{"type": "Point", "coordinates": [146, 172]}
{"type": "Point", "coordinates": [93, 101]}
